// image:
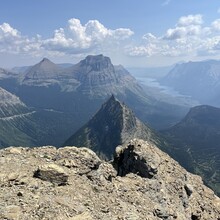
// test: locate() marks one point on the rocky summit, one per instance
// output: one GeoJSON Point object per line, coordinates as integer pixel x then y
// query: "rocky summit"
{"type": "Point", "coordinates": [72, 183]}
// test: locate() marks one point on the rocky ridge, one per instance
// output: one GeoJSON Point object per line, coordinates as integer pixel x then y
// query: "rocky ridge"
{"type": "Point", "coordinates": [74, 184]}
{"type": "Point", "coordinates": [10, 104]}
{"type": "Point", "coordinates": [112, 125]}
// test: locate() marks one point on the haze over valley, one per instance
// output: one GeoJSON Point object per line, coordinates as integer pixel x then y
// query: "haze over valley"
{"type": "Point", "coordinates": [110, 110]}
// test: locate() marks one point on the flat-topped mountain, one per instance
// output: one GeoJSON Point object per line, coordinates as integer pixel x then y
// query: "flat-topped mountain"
{"type": "Point", "coordinates": [196, 143]}
{"type": "Point", "coordinates": [74, 184]}
{"type": "Point", "coordinates": [98, 77]}
{"type": "Point", "coordinates": [112, 125]}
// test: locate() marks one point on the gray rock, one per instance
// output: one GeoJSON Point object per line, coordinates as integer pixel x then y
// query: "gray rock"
{"type": "Point", "coordinates": [135, 159]}
{"type": "Point", "coordinates": [94, 191]}
{"type": "Point", "coordinates": [52, 173]}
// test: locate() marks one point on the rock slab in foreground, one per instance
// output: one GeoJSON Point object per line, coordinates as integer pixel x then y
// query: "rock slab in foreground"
{"type": "Point", "coordinates": [52, 173]}
{"type": "Point", "coordinates": [146, 185]}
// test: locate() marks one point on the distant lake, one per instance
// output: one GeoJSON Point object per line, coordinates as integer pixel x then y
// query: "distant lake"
{"type": "Point", "coordinates": [151, 82]}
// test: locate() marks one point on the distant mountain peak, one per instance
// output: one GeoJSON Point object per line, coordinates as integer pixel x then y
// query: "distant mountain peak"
{"type": "Point", "coordinates": [112, 98]}
{"type": "Point", "coordinates": [45, 69]}
{"type": "Point", "coordinates": [45, 60]}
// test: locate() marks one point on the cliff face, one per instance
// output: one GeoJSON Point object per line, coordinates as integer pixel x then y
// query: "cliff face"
{"type": "Point", "coordinates": [74, 184]}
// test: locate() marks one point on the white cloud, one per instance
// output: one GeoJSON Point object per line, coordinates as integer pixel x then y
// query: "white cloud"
{"type": "Point", "coordinates": [11, 41]}
{"type": "Point", "coordinates": [76, 37]}
{"type": "Point", "coordinates": [182, 32]}
{"type": "Point", "coordinates": [190, 20]}
{"type": "Point", "coordinates": [188, 38]}
{"type": "Point", "coordinates": [7, 30]}
{"type": "Point", "coordinates": [149, 37]}
{"type": "Point", "coordinates": [140, 51]}
{"type": "Point", "coordinates": [216, 25]}
{"type": "Point", "coordinates": [187, 26]}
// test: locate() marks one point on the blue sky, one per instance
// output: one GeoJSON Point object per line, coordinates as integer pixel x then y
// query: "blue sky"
{"type": "Point", "coordinates": [133, 33]}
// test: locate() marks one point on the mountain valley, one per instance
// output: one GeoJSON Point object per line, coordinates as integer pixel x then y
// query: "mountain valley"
{"type": "Point", "coordinates": [71, 95]}
{"type": "Point", "coordinates": [50, 104]}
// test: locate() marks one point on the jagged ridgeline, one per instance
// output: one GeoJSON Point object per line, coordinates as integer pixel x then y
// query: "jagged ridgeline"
{"type": "Point", "coordinates": [111, 126]}
{"type": "Point", "coordinates": [14, 119]}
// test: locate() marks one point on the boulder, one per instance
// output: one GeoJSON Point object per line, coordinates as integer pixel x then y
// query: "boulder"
{"type": "Point", "coordinates": [52, 173]}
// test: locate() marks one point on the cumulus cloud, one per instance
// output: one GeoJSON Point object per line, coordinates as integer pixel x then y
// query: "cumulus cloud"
{"type": "Point", "coordinates": [11, 41]}
{"type": "Point", "coordinates": [76, 37]}
{"type": "Point", "coordinates": [188, 37]}
{"type": "Point", "coordinates": [216, 25]}
{"type": "Point", "coordinates": [187, 26]}
{"type": "Point", "coordinates": [190, 20]}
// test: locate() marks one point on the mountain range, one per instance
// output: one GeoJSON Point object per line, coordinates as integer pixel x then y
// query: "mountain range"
{"type": "Point", "coordinates": [48, 104]}
{"type": "Point", "coordinates": [200, 80]}
{"type": "Point", "coordinates": [69, 96]}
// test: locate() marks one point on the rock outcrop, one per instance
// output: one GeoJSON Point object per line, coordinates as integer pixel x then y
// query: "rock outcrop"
{"type": "Point", "coordinates": [142, 183]}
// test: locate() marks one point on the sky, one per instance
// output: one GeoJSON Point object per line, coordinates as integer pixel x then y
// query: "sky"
{"type": "Point", "coordinates": [134, 33]}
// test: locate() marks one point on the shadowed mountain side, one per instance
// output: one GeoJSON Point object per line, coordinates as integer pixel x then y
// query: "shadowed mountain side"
{"type": "Point", "coordinates": [195, 143]}
{"type": "Point", "coordinates": [111, 126]}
